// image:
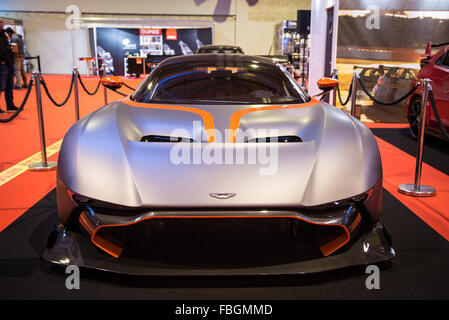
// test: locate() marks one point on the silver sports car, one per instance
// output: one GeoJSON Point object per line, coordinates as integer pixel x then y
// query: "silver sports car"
{"type": "Point", "coordinates": [218, 165]}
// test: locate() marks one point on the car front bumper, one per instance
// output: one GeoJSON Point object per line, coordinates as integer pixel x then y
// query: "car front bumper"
{"type": "Point", "coordinates": [224, 243]}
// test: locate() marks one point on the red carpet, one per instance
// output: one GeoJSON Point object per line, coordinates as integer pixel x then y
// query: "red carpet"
{"type": "Point", "coordinates": [399, 168]}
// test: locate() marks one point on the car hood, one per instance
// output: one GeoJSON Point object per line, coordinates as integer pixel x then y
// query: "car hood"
{"type": "Point", "coordinates": [102, 157]}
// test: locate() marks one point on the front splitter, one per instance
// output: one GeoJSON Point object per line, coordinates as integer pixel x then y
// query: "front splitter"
{"type": "Point", "coordinates": [72, 248]}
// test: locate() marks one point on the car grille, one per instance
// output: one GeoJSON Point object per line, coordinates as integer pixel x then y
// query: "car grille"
{"type": "Point", "coordinates": [225, 241]}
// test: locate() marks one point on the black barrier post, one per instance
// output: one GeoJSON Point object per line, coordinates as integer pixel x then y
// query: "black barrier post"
{"type": "Point", "coordinates": [77, 102]}
{"type": "Point", "coordinates": [39, 63]}
{"type": "Point", "coordinates": [355, 87]}
{"type": "Point", "coordinates": [416, 189]}
{"type": "Point", "coordinates": [44, 165]}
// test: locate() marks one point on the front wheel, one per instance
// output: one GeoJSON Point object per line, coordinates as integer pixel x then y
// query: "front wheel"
{"type": "Point", "coordinates": [414, 116]}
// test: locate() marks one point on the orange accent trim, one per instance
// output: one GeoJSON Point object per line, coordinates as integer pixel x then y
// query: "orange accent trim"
{"type": "Point", "coordinates": [85, 222]}
{"type": "Point", "coordinates": [111, 248]}
{"type": "Point", "coordinates": [236, 116]}
{"type": "Point", "coordinates": [334, 244]}
{"type": "Point", "coordinates": [71, 194]}
{"type": "Point", "coordinates": [207, 117]}
{"type": "Point", "coordinates": [115, 251]}
{"type": "Point", "coordinates": [355, 223]}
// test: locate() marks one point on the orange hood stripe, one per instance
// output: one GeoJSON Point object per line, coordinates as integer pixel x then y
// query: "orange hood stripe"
{"type": "Point", "coordinates": [236, 116]}
{"type": "Point", "coordinates": [206, 116]}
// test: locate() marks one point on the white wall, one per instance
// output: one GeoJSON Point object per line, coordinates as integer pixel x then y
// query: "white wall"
{"type": "Point", "coordinates": [251, 27]}
{"type": "Point", "coordinates": [256, 24]}
{"type": "Point", "coordinates": [318, 41]}
{"type": "Point", "coordinates": [50, 39]}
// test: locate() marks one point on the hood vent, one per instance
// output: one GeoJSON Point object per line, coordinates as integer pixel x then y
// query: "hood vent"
{"type": "Point", "coordinates": [154, 138]}
{"type": "Point", "coordinates": [281, 139]}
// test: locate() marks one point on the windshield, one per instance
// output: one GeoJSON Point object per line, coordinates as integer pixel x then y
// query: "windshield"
{"type": "Point", "coordinates": [239, 82]}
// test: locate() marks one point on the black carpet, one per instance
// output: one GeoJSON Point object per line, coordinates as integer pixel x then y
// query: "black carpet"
{"type": "Point", "coordinates": [419, 271]}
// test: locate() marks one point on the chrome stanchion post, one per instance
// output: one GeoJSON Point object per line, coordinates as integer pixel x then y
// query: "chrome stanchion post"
{"type": "Point", "coordinates": [105, 95]}
{"type": "Point", "coordinates": [77, 102]}
{"type": "Point", "coordinates": [416, 189]}
{"type": "Point", "coordinates": [334, 96]}
{"type": "Point", "coordinates": [355, 87]}
{"type": "Point", "coordinates": [44, 165]}
{"type": "Point", "coordinates": [105, 91]}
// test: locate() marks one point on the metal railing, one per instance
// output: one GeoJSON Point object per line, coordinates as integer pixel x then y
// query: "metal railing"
{"type": "Point", "coordinates": [415, 189]}
{"type": "Point", "coordinates": [38, 81]}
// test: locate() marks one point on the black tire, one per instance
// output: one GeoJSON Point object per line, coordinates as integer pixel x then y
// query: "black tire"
{"type": "Point", "coordinates": [413, 116]}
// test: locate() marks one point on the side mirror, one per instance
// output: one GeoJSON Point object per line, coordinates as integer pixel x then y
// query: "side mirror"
{"type": "Point", "coordinates": [423, 62]}
{"type": "Point", "coordinates": [112, 82]}
{"type": "Point", "coordinates": [327, 84]}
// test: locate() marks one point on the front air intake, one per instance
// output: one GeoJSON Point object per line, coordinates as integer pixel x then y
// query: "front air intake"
{"type": "Point", "coordinates": [154, 138]}
{"type": "Point", "coordinates": [281, 139]}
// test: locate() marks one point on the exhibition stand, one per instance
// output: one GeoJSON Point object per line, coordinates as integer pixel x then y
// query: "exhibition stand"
{"type": "Point", "coordinates": [120, 52]}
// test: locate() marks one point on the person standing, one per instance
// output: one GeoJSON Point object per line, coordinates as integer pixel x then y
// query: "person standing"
{"type": "Point", "coordinates": [19, 58]}
{"type": "Point", "coordinates": [6, 70]}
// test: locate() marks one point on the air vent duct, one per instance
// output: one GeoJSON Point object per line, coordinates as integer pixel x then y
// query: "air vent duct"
{"type": "Point", "coordinates": [154, 138]}
{"type": "Point", "coordinates": [281, 139]}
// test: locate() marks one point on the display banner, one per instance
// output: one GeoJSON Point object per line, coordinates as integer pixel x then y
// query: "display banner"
{"type": "Point", "coordinates": [187, 40]}
{"type": "Point", "coordinates": [115, 44]}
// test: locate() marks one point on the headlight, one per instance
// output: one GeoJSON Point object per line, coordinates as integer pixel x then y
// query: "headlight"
{"type": "Point", "coordinates": [99, 206]}
{"type": "Point", "coordinates": [358, 199]}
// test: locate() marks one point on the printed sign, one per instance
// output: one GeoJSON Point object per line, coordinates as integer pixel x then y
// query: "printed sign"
{"type": "Point", "coordinates": [150, 41]}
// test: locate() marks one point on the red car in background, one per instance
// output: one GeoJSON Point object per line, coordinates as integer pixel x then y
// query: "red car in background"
{"type": "Point", "coordinates": [436, 68]}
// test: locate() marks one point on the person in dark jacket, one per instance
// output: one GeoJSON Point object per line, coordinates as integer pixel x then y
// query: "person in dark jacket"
{"type": "Point", "coordinates": [19, 58]}
{"type": "Point", "coordinates": [6, 70]}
